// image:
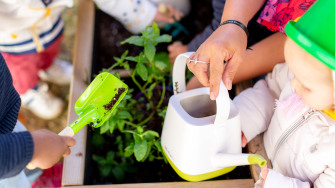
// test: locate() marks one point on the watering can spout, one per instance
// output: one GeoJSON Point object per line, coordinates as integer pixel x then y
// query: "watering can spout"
{"type": "Point", "coordinates": [223, 160]}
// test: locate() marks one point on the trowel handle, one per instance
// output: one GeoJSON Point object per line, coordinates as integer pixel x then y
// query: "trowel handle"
{"type": "Point", "coordinates": [179, 85]}
{"type": "Point", "coordinates": [67, 131]}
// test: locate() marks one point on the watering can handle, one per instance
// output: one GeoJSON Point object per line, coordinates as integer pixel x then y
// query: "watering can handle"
{"type": "Point", "coordinates": [179, 85]}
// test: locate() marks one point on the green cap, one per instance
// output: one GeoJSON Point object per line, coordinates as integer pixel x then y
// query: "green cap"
{"type": "Point", "coordinates": [315, 31]}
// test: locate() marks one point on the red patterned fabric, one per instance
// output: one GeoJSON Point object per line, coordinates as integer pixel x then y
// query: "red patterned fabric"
{"type": "Point", "coordinates": [277, 13]}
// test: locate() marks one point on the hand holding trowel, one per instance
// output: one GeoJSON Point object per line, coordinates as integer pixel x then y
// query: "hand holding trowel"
{"type": "Point", "coordinates": [96, 104]}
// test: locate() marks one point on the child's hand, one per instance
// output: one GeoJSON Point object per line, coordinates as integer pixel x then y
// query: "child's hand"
{"type": "Point", "coordinates": [244, 140]}
{"type": "Point", "coordinates": [261, 181]}
{"type": "Point", "coordinates": [167, 13]}
{"type": "Point", "coordinates": [175, 49]}
{"type": "Point", "coordinates": [49, 148]}
{"type": "Point", "coordinates": [264, 174]}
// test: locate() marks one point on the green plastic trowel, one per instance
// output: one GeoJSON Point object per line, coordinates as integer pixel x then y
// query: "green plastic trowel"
{"type": "Point", "coordinates": [96, 104]}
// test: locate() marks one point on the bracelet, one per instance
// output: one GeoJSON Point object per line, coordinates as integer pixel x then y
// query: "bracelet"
{"type": "Point", "coordinates": [236, 23]}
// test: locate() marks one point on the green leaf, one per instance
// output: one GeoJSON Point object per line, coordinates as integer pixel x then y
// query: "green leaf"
{"type": "Point", "coordinates": [124, 115]}
{"type": "Point", "coordinates": [105, 127]}
{"type": "Point", "coordinates": [140, 129]}
{"type": "Point", "coordinates": [136, 40]}
{"type": "Point", "coordinates": [163, 38]}
{"type": "Point", "coordinates": [155, 30]}
{"type": "Point", "coordinates": [112, 126]}
{"type": "Point", "coordinates": [160, 65]}
{"type": "Point", "coordinates": [110, 156]}
{"type": "Point", "coordinates": [126, 65]}
{"type": "Point", "coordinates": [124, 55]}
{"type": "Point", "coordinates": [97, 158]}
{"type": "Point", "coordinates": [158, 145]}
{"type": "Point", "coordinates": [142, 71]}
{"type": "Point", "coordinates": [140, 150]}
{"type": "Point", "coordinates": [149, 51]}
{"type": "Point", "coordinates": [120, 125]}
{"type": "Point", "coordinates": [129, 150]}
{"type": "Point", "coordinates": [152, 86]}
{"type": "Point", "coordinates": [125, 98]}
{"type": "Point", "coordinates": [97, 140]}
{"type": "Point", "coordinates": [151, 133]}
{"type": "Point", "coordinates": [106, 171]}
{"type": "Point", "coordinates": [118, 173]}
{"type": "Point", "coordinates": [130, 58]}
{"type": "Point", "coordinates": [137, 138]}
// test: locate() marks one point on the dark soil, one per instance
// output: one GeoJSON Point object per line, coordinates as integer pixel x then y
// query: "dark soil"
{"type": "Point", "coordinates": [110, 105]}
{"type": "Point", "coordinates": [108, 35]}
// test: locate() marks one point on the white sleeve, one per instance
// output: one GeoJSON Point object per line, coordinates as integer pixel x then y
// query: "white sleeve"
{"type": "Point", "coordinates": [276, 180]}
{"type": "Point", "coordinates": [135, 15]}
{"type": "Point", "coordinates": [256, 107]}
{"type": "Point", "coordinates": [327, 178]}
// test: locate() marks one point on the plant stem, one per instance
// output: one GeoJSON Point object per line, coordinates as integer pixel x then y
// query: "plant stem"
{"type": "Point", "coordinates": [146, 119]}
{"type": "Point", "coordinates": [139, 86]}
{"type": "Point", "coordinates": [130, 123]}
{"type": "Point", "coordinates": [146, 84]}
{"type": "Point", "coordinates": [162, 96]}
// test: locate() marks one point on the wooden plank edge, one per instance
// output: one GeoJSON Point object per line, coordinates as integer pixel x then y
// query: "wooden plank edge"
{"type": "Point", "coordinates": [236, 183]}
{"type": "Point", "coordinates": [74, 164]}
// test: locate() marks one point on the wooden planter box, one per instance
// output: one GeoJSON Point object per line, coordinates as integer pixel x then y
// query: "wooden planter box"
{"type": "Point", "coordinates": [74, 165]}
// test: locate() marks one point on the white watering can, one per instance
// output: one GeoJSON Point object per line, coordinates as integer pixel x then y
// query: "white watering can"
{"type": "Point", "coordinates": [197, 143]}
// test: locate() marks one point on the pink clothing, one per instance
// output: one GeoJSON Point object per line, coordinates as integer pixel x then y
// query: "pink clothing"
{"type": "Point", "coordinates": [24, 68]}
{"type": "Point", "coordinates": [277, 13]}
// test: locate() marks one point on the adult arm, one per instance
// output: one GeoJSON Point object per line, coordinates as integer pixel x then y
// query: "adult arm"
{"type": "Point", "coordinates": [227, 43]}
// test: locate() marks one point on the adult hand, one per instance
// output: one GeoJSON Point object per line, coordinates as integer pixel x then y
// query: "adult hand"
{"type": "Point", "coordinates": [175, 49]}
{"type": "Point", "coordinates": [226, 44]}
{"type": "Point", "coordinates": [167, 13]}
{"type": "Point", "coordinates": [49, 148]}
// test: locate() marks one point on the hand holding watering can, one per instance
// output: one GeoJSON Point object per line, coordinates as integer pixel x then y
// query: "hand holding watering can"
{"type": "Point", "coordinates": [201, 138]}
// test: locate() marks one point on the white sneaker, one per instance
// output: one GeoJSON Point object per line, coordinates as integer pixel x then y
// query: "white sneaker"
{"type": "Point", "coordinates": [42, 102]}
{"type": "Point", "coordinates": [60, 72]}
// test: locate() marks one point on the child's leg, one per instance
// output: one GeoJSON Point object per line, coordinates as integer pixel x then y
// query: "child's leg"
{"type": "Point", "coordinates": [24, 68]}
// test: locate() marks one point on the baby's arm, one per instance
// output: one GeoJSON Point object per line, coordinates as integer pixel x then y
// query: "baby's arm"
{"type": "Point", "coordinates": [276, 180]}
{"type": "Point", "coordinates": [256, 109]}
{"type": "Point", "coordinates": [256, 105]}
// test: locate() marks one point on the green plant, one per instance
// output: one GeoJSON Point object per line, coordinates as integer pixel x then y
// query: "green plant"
{"type": "Point", "coordinates": [133, 118]}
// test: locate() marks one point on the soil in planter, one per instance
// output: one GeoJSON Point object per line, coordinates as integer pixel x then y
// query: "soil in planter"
{"type": "Point", "coordinates": [109, 33]}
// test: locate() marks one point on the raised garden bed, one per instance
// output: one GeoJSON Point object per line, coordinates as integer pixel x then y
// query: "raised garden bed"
{"type": "Point", "coordinates": [95, 48]}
